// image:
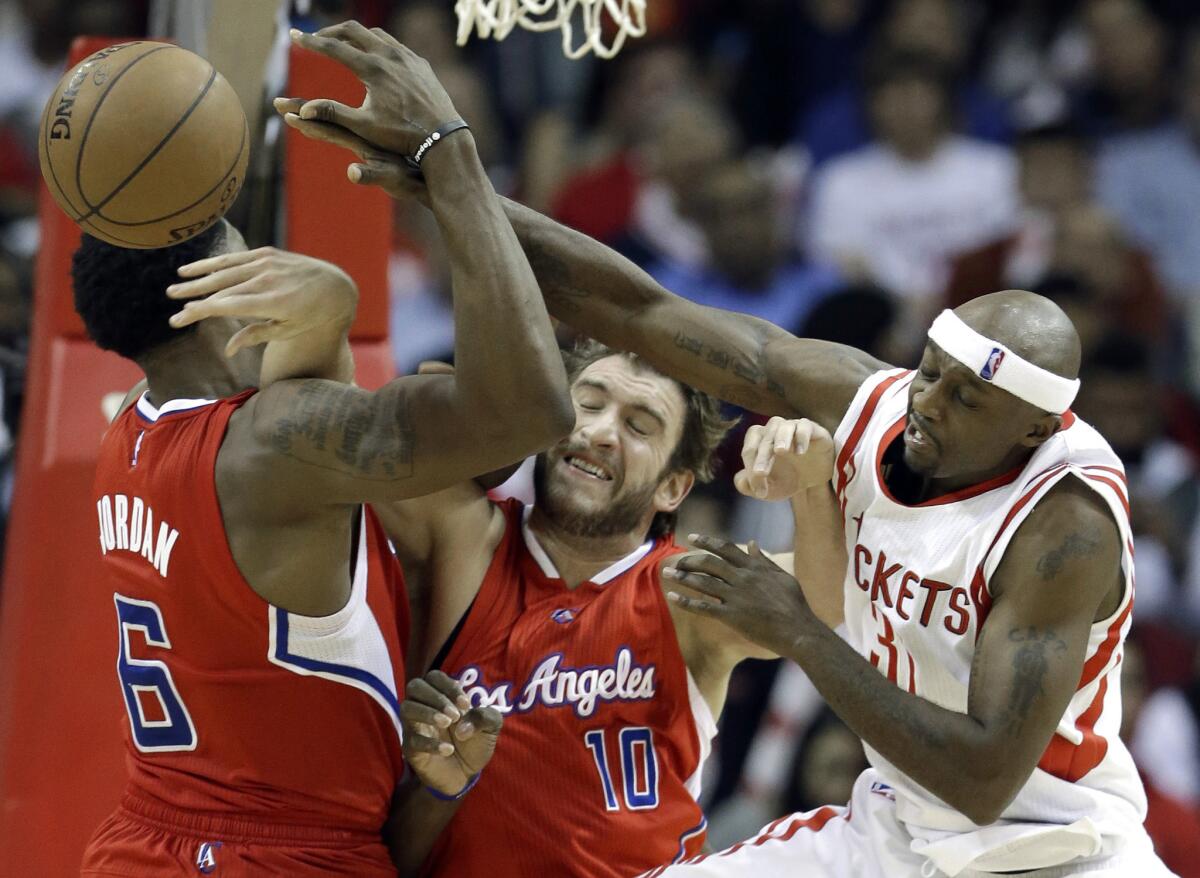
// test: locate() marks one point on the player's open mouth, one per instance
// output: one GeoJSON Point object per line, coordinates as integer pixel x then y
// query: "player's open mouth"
{"type": "Point", "coordinates": [589, 469]}
{"type": "Point", "coordinates": [916, 439]}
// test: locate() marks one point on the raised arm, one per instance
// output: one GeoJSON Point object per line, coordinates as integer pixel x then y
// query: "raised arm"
{"type": "Point", "coordinates": [732, 356]}
{"type": "Point", "coordinates": [508, 397]}
{"type": "Point", "coordinates": [1060, 573]}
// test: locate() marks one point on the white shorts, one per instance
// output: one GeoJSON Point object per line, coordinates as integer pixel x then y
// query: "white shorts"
{"type": "Point", "coordinates": [865, 840]}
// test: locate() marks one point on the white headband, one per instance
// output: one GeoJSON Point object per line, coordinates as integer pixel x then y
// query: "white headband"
{"type": "Point", "coordinates": [996, 364]}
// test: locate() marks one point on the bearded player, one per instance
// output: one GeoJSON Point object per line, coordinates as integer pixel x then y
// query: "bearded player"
{"type": "Point", "coordinates": [555, 615]}
{"type": "Point", "coordinates": [261, 617]}
{"type": "Point", "coordinates": [991, 576]}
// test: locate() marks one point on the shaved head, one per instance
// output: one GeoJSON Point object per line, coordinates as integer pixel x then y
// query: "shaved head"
{"type": "Point", "coordinates": [1029, 325]}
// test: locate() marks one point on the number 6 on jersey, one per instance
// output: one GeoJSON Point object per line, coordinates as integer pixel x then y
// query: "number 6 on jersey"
{"type": "Point", "coordinates": [150, 677]}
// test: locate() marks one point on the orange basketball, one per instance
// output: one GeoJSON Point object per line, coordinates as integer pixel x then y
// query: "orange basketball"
{"type": "Point", "coordinates": [144, 144]}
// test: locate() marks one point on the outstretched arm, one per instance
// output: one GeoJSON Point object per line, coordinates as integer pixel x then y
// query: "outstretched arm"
{"type": "Point", "coordinates": [1061, 572]}
{"type": "Point", "coordinates": [732, 356]}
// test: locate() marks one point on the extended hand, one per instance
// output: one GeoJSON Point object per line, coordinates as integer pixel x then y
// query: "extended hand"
{"type": "Point", "coordinates": [404, 102]}
{"type": "Point", "coordinates": [783, 458]}
{"type": "Point", "coordinates": [747, 591]}
{"type": "Point", "coordinates": [375, 167]}
{"type": "Point", "coordinates": [287, 293]}
{"type": "Point", "coordinates": [446, 741]}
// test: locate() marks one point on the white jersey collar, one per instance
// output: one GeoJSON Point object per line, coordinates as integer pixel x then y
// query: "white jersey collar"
{"type": "Point", "coordinates": [152, 414]}
{"type": "Point", "coordinates": [605, 576]}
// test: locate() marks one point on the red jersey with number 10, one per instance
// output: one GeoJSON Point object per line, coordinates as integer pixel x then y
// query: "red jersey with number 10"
{"type": "Point", "coordinates": [605, 732]}
{"type": "Point", "coordinates": [236, 707]}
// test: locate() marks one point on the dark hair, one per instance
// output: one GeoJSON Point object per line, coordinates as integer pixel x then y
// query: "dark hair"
{"type": "Point", "coordinates": [896, 65]}
{"type": "Point", "coordinates": [1122, 353]}
{"type": "Point", "coordinates": [121, 293]}
{"type": "Point", "coordinates": [704, 426]}
{"type": "Point", "coordinates": [1065, 132]}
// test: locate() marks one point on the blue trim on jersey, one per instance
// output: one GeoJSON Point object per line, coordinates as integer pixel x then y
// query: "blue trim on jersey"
{"type": "Point", "coordinates": [347, 671]}
{"type": "Point", "coordinates": [689, 834]}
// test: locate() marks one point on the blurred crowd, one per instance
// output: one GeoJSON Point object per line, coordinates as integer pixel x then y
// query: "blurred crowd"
{"type": "Point", "coordinates": [845, 169]}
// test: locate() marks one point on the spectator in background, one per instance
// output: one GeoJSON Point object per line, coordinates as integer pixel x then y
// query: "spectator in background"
{"type": "Point", "coordinates": [1129, 87]}
{"type": "Point", "coordinates": [1173, 824]}
{"type": "Point", "coordinates": [692, 138]}
{"type": "Point", "coordinates": [1150, 181]}
{"type": "Point", "coordinates": [1121, 397]}
{"type": "Point", "coordinates": [751, 267]}
{"type": "Point", "coordinates": [933, 29]}
{"type": "Point", "coordinates": [597, 188]}
{"type": "Point", "coordinates": [898, 211]}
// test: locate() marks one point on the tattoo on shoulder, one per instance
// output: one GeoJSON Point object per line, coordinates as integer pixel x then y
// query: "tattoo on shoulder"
{"type": "Point", "coordinates": [340, 427]}
{"type": "Point", "coordinates": [1074, 545]}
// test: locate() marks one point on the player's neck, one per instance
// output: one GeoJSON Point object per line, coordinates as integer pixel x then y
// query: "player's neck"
{"type": "Point", "coordinates": [577, 559]}
{"type": "Point", "coordinates": [194, 366]}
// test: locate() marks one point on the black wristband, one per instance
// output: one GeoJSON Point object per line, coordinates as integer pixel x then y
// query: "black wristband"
{"type": "Point", "coordinates": [414, 160]}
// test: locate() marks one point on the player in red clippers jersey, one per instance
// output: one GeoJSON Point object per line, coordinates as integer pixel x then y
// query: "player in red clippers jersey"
{"type": "Point", "coordinates": [554, 614]}
{"type": "Point", "coordinates": [260, 617]}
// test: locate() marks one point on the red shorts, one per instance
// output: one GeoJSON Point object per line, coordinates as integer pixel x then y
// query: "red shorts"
{"type": "Point", "coordinates": [142, 838]}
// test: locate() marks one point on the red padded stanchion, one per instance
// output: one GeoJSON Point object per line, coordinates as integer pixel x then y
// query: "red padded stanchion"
{"type": "Point", "coordinates": [61, 757]}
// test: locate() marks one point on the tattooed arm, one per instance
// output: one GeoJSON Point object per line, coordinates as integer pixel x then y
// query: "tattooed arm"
{"type": "Point", "coordinates": [1060, 573]}
{"type": "Point", "coordinates": [733, 356]}
{"type": "Point", "coordinates": [319, 442]}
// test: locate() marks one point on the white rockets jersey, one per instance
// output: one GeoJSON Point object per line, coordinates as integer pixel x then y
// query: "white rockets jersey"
{"type": "Point", "coordinates": [916, 597]}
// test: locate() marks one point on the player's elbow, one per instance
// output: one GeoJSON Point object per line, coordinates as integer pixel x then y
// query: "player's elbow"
{"type": "Point", "coordinates": [990, 790]}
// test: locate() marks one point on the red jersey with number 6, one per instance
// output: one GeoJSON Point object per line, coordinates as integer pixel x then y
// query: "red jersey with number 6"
{"type": "Point", "coordinates": [236, 708]}
{"type": "Point", "coordinates": [605, 732]}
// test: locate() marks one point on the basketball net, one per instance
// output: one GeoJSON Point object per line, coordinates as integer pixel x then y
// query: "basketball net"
{"type": "Point", "coordinates": [495, 19]}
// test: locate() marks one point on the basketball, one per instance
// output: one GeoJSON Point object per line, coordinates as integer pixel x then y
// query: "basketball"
{"type": "Point", "coordinates": [143, 144]}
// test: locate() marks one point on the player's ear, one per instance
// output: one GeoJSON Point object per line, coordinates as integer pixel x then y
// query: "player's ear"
{"type": "Point", "coordinates": [672, 490]}
{"type": "Point", "coordinates": [1041, 430]}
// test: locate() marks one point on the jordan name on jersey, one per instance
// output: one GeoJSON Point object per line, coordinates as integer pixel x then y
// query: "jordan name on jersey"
{"type": "Point", "coordinates": [553, 685]}
{"type": "Point", "coordinates": [127, 524]}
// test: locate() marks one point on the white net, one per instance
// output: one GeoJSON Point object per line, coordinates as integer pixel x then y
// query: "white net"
{"type": "Point", "coordinates": [604, 24]}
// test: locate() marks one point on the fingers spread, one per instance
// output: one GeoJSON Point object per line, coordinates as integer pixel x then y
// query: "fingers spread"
{"type": "Point", "coordinates": [216, 263]}
{"type": "Point", "coordinates": [703, 562]}
{"type": "Point", "coordinates": [703, 583]}
{"type": "Point", "coordinates": [353, 32]}
{"type": "Point", "coordinates": [339, 50]}
{"type": "Point", "coordinates": [693, 605]}
{"type": "Point", "coordinates": [256, 334]}
{"type": "Point", "coordinates": [723, 549]}
{"type": "Point", "coordinates": [330, 133]}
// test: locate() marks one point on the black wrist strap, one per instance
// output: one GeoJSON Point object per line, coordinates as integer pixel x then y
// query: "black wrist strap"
{"type": "Point", "coordinates": [449, 128]}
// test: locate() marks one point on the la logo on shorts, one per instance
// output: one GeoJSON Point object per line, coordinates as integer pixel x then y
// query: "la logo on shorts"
{"type": "Point", "coordinates": [206, 857]}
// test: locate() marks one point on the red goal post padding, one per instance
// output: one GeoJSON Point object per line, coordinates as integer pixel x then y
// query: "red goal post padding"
{"type": "Point", "coordinates": [61, 714]}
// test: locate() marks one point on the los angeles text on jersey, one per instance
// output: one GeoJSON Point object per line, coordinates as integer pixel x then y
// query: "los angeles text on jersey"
{"type": "Point", "coordinates": [909, 593]}
{"type": "Point", "coordinates": [127, 524]}
{"type": "Point", "coordinates": [553, 685]}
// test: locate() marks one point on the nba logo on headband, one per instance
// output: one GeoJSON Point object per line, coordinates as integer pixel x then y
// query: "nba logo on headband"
{"type": "Point", "coordinates": [992, 366]}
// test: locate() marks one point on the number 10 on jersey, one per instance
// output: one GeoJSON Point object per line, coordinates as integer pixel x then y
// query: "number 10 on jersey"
{"type": "Point", "coordinates": [639, 767]}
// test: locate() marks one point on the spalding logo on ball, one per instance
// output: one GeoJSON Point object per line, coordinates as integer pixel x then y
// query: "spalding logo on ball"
{"type": "Point", "coordinates": [144, 144]}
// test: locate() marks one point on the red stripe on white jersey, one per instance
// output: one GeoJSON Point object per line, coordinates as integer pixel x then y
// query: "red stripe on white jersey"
{"type": "Point", "coordinates": [860, 427]}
